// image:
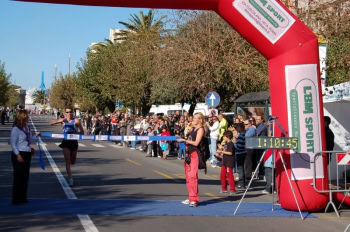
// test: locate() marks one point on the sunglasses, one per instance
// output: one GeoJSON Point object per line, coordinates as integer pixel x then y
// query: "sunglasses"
{"type": "Point", "coordinates": [68, 112]}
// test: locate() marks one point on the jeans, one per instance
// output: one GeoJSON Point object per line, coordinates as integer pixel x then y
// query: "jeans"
{"type": "Point", "coordinates": [181, 153]}
{"type": "Point", "coordinates": [240, 169]}
{"type": "Point", "coordinates": [133, 144]}
{"type": "Point", "coordinates": [248, 163]}
{"type": "Point", "coordinates": [149, 149]}
{"type": "Point", "coordinates": [268, 176]}
{"type": "Point", "coordinates": [213, 145]}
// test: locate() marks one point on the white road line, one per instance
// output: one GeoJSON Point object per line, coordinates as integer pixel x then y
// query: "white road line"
{"type": "Point", "coordinates": [85, 220]}
{"type": "Point", "coordinates": [116, 146]}
{"type": "Point", "coordinates": [81, 145]}
{"type": "Point", "coordinates": [87, 223]}
{"type": "Point", "coordinates": [57, 144]}
{"type": "Point", "coordinates": [97, 145]}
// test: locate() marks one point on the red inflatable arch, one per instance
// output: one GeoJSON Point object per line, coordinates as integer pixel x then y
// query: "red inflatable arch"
{"type": "Point", "coordinates": [291, 49]}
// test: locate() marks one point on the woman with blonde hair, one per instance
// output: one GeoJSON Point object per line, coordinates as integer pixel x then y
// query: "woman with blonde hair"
{"type": "Point", "coordinates": [22, 152]}
{"type": "Point", "coordinates": [192, 160]}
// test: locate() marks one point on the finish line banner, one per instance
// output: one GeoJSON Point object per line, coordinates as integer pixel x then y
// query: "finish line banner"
{"type": "Point", "coordinates": [109, 137]}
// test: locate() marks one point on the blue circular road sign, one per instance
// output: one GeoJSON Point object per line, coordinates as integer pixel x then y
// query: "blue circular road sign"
{"type": "Point", "coordinates": [212, 99]}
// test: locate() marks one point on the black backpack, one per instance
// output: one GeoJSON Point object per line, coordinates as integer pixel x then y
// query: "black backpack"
{"type": "Point", "coordinates": [204, 154]}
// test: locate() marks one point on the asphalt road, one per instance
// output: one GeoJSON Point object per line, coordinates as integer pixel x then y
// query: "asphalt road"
{"type": "Point", "coordinates": [107, 174]}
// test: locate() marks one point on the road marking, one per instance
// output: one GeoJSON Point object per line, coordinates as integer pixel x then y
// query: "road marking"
{"type": "Point", "coordinates": [81, 145]}
{"type": "Point", "coordinates": [181, 176]}
{"type": "Point", "coordinates": [87, 223]}
{"type": "Point", "coordinates": [215, 197]}
{"type": "Point", "coordinates": [131, 161]}
{"type": "Point", "coordinates": [85, 220]}
{"type": "Point", "coordinates": [97, 145]}
{"type": "Point", "coordinates": [116, 146]}
{"type": "Point", "coordinates": [57, 144]}
{"type": "Point", "coordinates": [216, 177]}
{"type": "Point", "coordinates": [166, 176]}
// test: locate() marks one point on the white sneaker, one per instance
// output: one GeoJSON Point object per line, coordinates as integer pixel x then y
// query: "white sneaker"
{"type": "Point", "coordinates": [193, 204]}
{"type": "Point", "coordinates": [71, 182]}
{"type": "Point", "coordinates": [132, 148]}
{"type": "Point", "coordinates": [265, 192]}
{"type": "Point", "coordinates": [186, 202]}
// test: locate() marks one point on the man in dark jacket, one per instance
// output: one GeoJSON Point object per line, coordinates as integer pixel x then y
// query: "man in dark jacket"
{"type": "Point", "coordinates": [329, 137]}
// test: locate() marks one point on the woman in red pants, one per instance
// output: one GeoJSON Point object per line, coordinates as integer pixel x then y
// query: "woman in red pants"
{"type": "Point", "coordinates": [192, 159]}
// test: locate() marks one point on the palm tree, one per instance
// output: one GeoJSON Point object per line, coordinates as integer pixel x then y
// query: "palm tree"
{"type": "Point", "coordinates": [39, 97]}
{"type": "Point", "coordinates": [102, 46]}
{"type": "Point", "coordinates": [142, 25]}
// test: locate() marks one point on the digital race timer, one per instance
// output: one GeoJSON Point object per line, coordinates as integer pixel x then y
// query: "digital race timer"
{"type": "Point", "coordinates": [289, 143]}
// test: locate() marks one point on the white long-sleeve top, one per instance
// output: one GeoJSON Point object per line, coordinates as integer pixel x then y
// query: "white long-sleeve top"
{"type": "Point", "coordinates": [19, 140]}
{"type": "Point", "coordinates": [214, 130]}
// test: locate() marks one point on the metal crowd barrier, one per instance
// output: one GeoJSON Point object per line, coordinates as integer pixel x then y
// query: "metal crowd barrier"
{"type": "Point", "coordinates": [342, 161]}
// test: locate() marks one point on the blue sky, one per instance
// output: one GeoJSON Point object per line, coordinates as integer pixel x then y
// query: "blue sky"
{"type": "Point", "coordinates": [34, 37]}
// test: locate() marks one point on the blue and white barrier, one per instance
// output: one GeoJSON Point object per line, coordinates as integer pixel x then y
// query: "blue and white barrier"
{"type": "Point", "coordinates": [104, 138]}
{"type": "Point", "coordinates": [109, 137]}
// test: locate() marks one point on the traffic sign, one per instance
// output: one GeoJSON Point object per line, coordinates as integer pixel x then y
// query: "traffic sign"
{"type": "Point", "coordinates": [213, 112]}
{"type": "Point", "coordinates": [212, 99]}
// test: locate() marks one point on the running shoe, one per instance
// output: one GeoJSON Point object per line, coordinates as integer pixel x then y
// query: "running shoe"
{"type": "Point", "coordinates": [193, 204]}
{"type": "Point", "coordinates": [186, 202]}
{"type": "Point", "coordinates": [223, 191]}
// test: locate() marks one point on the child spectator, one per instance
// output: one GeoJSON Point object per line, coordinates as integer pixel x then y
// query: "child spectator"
{"type": "Point", "coordinates": [164, 145]}
{"type": "Point", "coordinates": [149, 143]}
{"type": "Point", "coordinates": [227, 155]}
{"type": "Point", "coordinates": [240, 154]}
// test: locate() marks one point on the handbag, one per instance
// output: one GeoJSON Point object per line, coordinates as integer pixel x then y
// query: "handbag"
{"type": "Point", "coordinates": [188, 159]}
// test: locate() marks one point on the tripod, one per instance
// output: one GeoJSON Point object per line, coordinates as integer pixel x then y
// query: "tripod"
{"type": "Point", "coordinates": [274, 120]}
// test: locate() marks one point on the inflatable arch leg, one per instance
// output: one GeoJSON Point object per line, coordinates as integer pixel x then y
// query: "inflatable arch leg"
{"type": "Point", "coordinates": [292, 53]}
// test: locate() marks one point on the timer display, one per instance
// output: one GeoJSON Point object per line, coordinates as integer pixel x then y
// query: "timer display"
{"type": "Point", "coordinates": [288, 143]}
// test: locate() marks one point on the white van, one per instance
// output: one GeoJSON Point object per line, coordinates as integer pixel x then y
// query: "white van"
{"type": "Point", "coordinates": [171, 109]}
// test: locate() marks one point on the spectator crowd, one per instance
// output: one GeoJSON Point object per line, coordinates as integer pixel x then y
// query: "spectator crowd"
{"type": "Point", "coordinates": [245, 160]}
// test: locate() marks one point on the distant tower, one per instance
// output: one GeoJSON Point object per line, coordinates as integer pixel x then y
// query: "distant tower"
{"type": "Point", "coordinates": [42, 85]}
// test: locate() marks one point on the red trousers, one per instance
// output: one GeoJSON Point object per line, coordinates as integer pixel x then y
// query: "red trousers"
{"type": "Point", "coordinates": [191, 172]}
{"type": "Point", "coordinates": [227, 175]}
